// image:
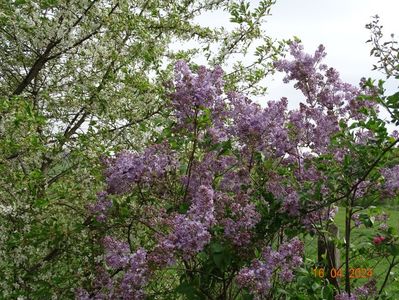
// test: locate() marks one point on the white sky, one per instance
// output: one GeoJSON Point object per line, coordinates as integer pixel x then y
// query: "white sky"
{"type": "Point", "coordinates": [340, 26]}
{"type": "Point", "coordinates": [337, 24]}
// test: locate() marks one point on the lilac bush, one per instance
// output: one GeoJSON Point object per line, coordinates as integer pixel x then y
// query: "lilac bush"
{"type": "Point", "coordinates": [217, 205]}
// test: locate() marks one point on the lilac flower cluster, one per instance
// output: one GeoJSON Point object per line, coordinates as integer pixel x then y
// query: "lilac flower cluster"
{"type": "Point", "coordinates": [262, 129]}
{"type": "Point", "coordinates": [202, 208]}
{"type": "Point", "coordinates": [257, 278]}
{"type": "Point", "coordinates": [248, 117]}
{"type": "Point", "coordinates": [364, 136]}
{"type": "Point", "coordinates": [193, 92]}
{"type": "Point", "coordinates": [134, 279]}
{"type": "Point", "coordinates": [241, 218]}
{"type": "Point", "coordinates": [212, 165]}
{"type": "Point", "coordinates": [291, 204]}
{"type": "Point", "coordinates": [345, 296]}
{"type": "Point", "coordinates": [319, 83]}
{"type": "Point", "coordinates": [362, 189]}
{"type": "Point", "coordinates": [328, 98]}
{"type": "Point", "coordinates": [101, 207]}
{"type": "Point", "coordinates": [189, 234]}
{"type": "Point", "coordinates": [233, 180]}
{"type": "Point", "coordinates": [217, 134]}
{"type": "Point", "coordinates": [82, 294]}
{"type": "Point", "coordinates": [202, 172]}
{"type": "Point", "coordinates": [381, 218]}
{"type": "Point", "coordinates": [282, 190]}
{"type": "Point", "coordinates": [136, 276]}
{"type": "Point", "coordinates": [187, 238]}
{"type": "Point", "coordinates": [276, 186]}
{"type": "Point", "coordinates": [391, 175]}
{"type": "Point", "coordinates": [129, 168]}
{"type": "Point", "coordinates": [356, 219]}
{"type": "Point", "coordinates": [117, 253]}
{"type": "Point", "coordinates": [369, 289]}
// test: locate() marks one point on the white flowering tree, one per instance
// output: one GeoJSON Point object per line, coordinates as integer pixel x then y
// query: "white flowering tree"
{"type": "Point", "coordinates": [79, 79]}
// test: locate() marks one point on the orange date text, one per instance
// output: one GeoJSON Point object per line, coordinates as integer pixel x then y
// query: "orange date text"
{"type": "Point", "coordinates": [339, 273]}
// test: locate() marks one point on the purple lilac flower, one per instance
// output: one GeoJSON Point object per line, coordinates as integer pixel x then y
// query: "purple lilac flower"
{"type": "Point", "coordinates": [240, 221]}
{"type": "Point", "coordinates": [328, 99]}
{"type": "Point", "coordinates": [263, 128]}
{"type": "Point", "coordinates": [369, 289]}
{"type": "Point", "coordinates": [136, 276]}
{"type": "Point", "coordinates": [233, 180]}
{"type": "Point", "coordinates": [103, 287]}
{"type": "Point", "coordinates": [257, 278]}
{"type": "Point", "coordinates": [356, 219]}
{"type": "Point", "coordinates": [291, 204]}
{"type": "Point", "coordinates": [362, 188]}
{"type": "Point", "coordinates": [130, 285]}
{"type": "Point", "coordinates": [101, 207]}
{"type": "Point", "coordinates": [187, 238]}
{"type": "Point", "coordinates": [202, 173]}
{"type": "Point", "coordinates": [249, 120]}
{"type": "Point", "coordinates": [345, 296]}
{"type": "Point", "coordinates": [130, 168]}
{"type": "Point", "coordinates": [195, 91]}
{"type": "Point", "coordinates": [117, 253]}
{"type": "Point", "coordinates": [217, 135]}
{"type": "Point", "coordinates": [189, 234]}
{"type": "Point", "coordinates": [163, 253]}
{"type": "Point", "coordinates": [286, 275]}
{"type": "Point", "coordinates": [383, 226]}
{"type": "Point", "coordinates": [202, 209]}
{"type": "Point", "coordinates": [339, 154]}
{"type": "Point", "coordinates": [82, 294]}
{"type": "Point", "coordinates": [364, 136]}
{"type": "Point", "coordinates": [103, 279]}
{"type": "Point", "coordinates": [391, 176]}
{"type": "Point", "coordinates": [382, 217]}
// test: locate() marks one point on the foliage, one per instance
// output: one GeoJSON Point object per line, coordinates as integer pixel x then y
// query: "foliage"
{"type": "Point", "coordinates": [80, 79]}
{"type": "Point", "coordinates": [387, 52]}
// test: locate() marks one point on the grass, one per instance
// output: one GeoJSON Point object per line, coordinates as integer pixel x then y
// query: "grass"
{"type": "Point", "coordinates": [362, 236]}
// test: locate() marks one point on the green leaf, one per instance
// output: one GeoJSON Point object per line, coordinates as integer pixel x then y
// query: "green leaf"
{"type": "Point", "coordinates": [40, 203]}
{"type": "Point", "coordinates": [327, 292]}
{"type": "Point", "coordinates": [315, 286]}
{"type": "Point", "coordinates": [393, 100]}
{"type": "Point", "coordinates": [394, 249]}
{"type": "Point", "coordinates": [226, 148]}
{"type": "Point", "coordinates": [189, 290]}
{"type": "Point", "coordinates": [183, 208]}
{"type": "Point", "coordinates": [221, 255]}
{"type": "Point", "coordinates": [366, 220]}
{"type": "Point", "coordinates": [205, 119]}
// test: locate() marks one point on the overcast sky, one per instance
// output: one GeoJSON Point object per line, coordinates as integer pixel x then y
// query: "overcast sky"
{"type": "Point", "coordinates": [337, 24]}
{"type": "Point", "coordinates": [340, 26]}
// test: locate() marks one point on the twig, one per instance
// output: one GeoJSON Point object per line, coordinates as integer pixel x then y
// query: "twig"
{"type": "Point", "coordinates": [391, 265]}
